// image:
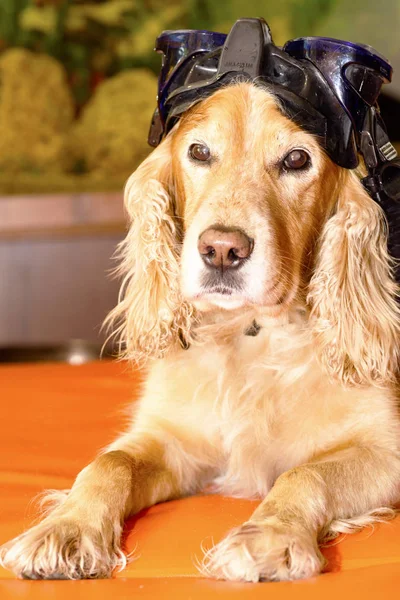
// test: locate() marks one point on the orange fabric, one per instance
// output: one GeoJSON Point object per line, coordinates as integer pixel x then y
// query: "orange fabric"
{"type": "Point", "coordinates": [56, 417]}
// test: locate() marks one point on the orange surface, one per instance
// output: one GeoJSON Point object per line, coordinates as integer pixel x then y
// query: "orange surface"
{"type": "Point", "coordinates": [56, 417]}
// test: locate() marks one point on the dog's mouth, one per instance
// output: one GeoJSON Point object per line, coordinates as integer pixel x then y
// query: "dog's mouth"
{"type": "Point", "coordinates": [220, 289]}
{"type": "Point", "coordinates": [229, 297]}
{"type": "Point", "coordinates": [226, 292]}
{"type": "Point", "coordinates": [227, 283]}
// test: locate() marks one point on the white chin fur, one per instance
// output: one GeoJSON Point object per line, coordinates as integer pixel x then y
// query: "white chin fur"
{"type": "Point", "coordinates": [208, 301]}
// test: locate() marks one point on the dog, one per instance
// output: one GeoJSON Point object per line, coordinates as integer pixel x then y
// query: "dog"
{"type": "Point", "coordinates": [258, 295]}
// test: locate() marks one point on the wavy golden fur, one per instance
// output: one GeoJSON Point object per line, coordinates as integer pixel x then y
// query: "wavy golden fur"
{"type": "Point", "coordinates": [275, 378]}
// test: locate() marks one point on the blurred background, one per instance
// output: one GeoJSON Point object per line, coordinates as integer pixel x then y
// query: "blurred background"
{"type": "Point", "coordinates": [77, 91]}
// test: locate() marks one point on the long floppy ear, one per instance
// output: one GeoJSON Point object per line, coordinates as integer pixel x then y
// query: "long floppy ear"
{"type": "Point", "coordinates": [354, 311]}
{"type": "Point", "coordinates": [150, 318]}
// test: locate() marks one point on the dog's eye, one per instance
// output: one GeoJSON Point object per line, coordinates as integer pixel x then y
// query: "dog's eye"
{"type": "Point", "coordinates": [296, 159]}
{"type": "Point", "coordinates": [199, 152]}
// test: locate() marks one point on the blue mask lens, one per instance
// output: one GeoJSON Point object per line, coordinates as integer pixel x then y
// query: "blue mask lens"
{"type": "Point", "coordinates": [355, 72]}
{"type": "Point", "coordinates": [176, 47]}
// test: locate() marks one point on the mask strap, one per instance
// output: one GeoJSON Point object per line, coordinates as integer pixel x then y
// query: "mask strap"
{"type": "Point", "coordinates": [244, 48]}
{"type": "Point", "coordinates": [380, 158]}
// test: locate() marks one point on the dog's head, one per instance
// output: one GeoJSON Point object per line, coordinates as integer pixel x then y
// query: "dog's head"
{"type": "Point", "coordinates": [255, 189]}
{"type": "Point", "coordinates": [241, 208]}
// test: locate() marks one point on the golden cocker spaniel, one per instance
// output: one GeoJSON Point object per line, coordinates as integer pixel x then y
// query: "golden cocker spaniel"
{"type": "Point", "coordinates": [258, 294]}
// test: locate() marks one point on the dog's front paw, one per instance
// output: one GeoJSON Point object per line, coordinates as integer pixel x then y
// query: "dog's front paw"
{"type": "Point", "coordinates": [61, 549]}
{"type": "Point", "coordinates": [270, 551]}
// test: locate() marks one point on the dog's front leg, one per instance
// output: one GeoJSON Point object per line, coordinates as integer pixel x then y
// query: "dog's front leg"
{"type": "Point", "coordinates": [80, 538]}
{"type": "Point", "coordinates": [280, 540]}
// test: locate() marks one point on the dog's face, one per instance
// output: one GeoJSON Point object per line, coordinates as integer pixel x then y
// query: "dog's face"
{"type": "Point", "coordinates": [252, 189]}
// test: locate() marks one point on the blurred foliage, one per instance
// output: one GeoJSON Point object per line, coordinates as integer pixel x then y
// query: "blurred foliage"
{"type": "Point", "coordinates": [87, 90]}
{"type": "Point", "coordinates": [36, 112]}
{"type": "Point", "coordinates": [109, 137]}
{"type": "Point", "coordinates": [94, 39]}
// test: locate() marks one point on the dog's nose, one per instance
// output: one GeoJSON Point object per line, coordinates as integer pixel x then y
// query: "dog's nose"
{"type": "Point", "coordinates": [224, 248]}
